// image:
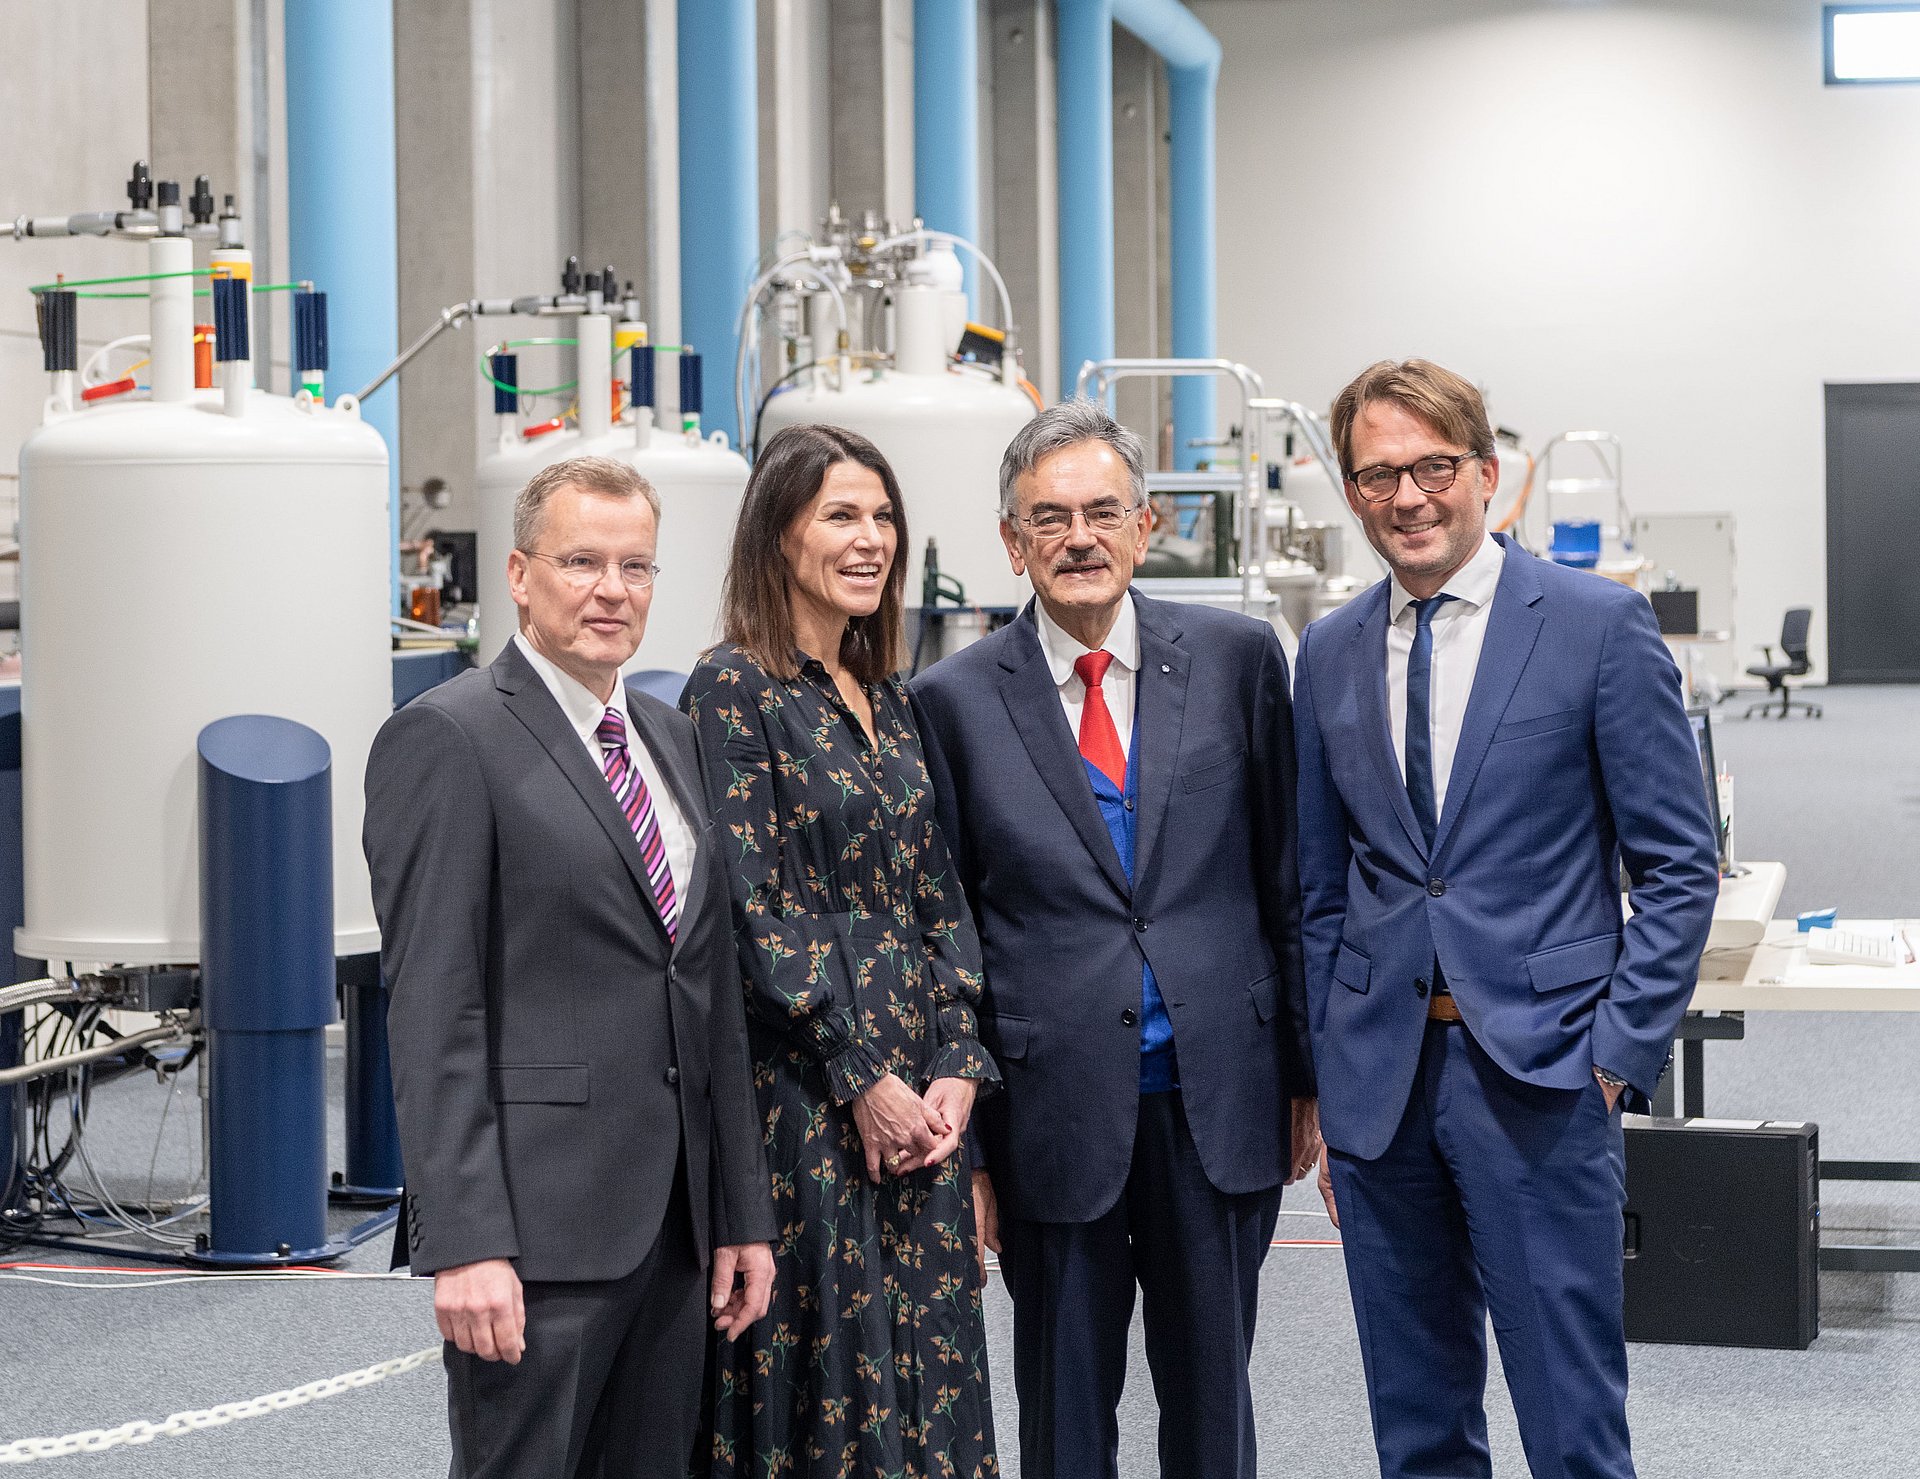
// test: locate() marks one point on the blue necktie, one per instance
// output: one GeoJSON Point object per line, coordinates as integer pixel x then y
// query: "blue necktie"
{"type": "Point", "coordinates": [1420, 717]}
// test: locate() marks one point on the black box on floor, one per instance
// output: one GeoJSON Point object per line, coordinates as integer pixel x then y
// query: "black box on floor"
{"type": "Point", "coordinates": [1723, 1232]}
{"type": "Point", "coordinates": [1677, 612]}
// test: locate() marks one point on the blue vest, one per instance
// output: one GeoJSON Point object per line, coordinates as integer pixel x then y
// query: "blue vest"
{"type": "Point", "coordinates": [1120, 811]}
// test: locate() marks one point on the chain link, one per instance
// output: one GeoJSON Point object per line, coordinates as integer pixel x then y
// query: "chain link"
{"type": "Point", "coordinates": [99, 1440]}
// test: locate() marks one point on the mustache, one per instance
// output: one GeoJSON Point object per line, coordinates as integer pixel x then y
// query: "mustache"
{"type": "Point", "coordinates": [1091, 561]}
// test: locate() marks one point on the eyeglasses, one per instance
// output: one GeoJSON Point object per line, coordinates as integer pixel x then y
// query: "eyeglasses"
{"type": "Point", "coordinates": [1053, 523]}
{"type": "Point", "coordinates": [1431, 474]}
{"type": "Point", "coordinates": [584, 568]}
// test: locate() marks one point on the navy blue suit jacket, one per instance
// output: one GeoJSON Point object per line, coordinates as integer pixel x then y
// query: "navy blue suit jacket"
{"type": "Point", "coordinates": [1575, 756]}
{"type": "Point", "coordinates": [1213, 905]}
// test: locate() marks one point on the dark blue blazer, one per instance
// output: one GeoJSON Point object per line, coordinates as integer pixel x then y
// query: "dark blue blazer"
{"type": "Point", "coordinates": [1214, 904]}
{"type": "Point", "coordinates": [1575, 756]}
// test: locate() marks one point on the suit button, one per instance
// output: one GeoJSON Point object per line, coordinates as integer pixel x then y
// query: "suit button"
{"type": "Point", "coordinates": [1436, 886]}
{"type": "Point", "coordinates": [1129, 1017]}
{"type": "Point", "coordinates": [673, 1076]}
{"type": "Point", "coordinates": [1140, 924]}
{"type": "Point", "coordinates": [1420, 986]}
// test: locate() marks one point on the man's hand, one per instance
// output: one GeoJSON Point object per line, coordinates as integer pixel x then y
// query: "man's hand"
{"type": "Point", "coordinates": [1326, 1187]}
{"type": "Point", "coordinates": [952, 1100]}
{"type": "Point", "coordinates": [1306, 1140]}
{"type": "Point", "coordinates": [986, 1220]}
{"type": "Point", "coordinates": [897, 1128]}
{"type": "Point", "coordinates": [1613, 1092]}
{"type": "Point", "coordinates": [478, 1307]}
{"type": "Point", "coordinates": [735, 1309]}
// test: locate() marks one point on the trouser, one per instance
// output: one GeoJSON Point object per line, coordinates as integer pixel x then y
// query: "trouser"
{"type": "Point", "coordinates": [609, 1386]}
{"type": "Point", "coordinates": [1195, 1253]}
{"type": "Point", "coordinates": [1495, 1196]}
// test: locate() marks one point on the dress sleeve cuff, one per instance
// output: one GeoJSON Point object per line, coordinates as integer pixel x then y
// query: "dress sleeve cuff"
{"type": "Point", "coordinates": [963, 1057]}
{"type": "Point", "coordinates": [852, 1071]}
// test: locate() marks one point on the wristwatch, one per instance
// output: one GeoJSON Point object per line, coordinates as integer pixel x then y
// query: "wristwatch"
{"type": "Point", "coordinates": [1611, 1080]}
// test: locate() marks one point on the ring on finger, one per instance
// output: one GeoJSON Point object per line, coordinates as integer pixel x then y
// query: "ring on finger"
{"type": "Point", "coordinates": [896, 1158]}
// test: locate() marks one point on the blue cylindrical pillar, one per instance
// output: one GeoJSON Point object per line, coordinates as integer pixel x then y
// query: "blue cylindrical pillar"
{"type": "Point", "coordinates": [1191, 198]}
{"type": "Point", "coordinates": [719, 176]}
{"type": "Point", "coordinates": [342, 215]}
{"type": "Point", "coordinates": [373, 1171]}
{"type": "Point", "coordinates": [1084, 45]}
{"type": "Point", "coordinates": [946, 118]}
{"type": "Point", "coordinates": [1192, 56]}
{"type": "Point", "coordinates": [266, 985]}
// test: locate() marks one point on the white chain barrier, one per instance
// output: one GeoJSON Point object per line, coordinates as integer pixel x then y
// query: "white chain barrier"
{"type": "Point", "coordinates": [99, 1440]}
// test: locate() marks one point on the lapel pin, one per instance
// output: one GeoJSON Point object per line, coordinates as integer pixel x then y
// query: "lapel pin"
{"type": "Point", "coordinates": [1166, 667]}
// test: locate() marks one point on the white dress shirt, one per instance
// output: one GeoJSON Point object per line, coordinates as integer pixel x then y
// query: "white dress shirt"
{"type": "Point", "coordinates": [1459, 629]}
{"type": "Point", "coordinates": [1123, 641]}
{"type": "Point", "coordinates": [584, 712]}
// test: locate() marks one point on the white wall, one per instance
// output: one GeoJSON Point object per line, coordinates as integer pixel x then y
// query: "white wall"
{"type": "Point", "coordinates": [1648, 218]}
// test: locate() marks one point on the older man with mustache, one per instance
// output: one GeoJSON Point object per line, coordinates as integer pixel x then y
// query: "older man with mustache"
{"type": "Point", "coordinates": [1115, 780]}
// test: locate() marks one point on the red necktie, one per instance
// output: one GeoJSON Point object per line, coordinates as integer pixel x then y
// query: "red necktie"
{"type": "Point", "coordinates": [1099, 740]}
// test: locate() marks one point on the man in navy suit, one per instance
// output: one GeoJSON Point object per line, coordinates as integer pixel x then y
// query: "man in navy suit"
{"type": "Point", "coordinates": [1115, 780]}
{"type": "Point", "coordinates": [1485, 739]}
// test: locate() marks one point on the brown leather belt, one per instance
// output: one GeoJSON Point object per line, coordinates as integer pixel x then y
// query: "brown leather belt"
{"type": "Point", "coordinates": [1442, 1008]}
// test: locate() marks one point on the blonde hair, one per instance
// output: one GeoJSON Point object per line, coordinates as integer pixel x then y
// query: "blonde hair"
{"type": "Point", "coordinates": [1447, 403]}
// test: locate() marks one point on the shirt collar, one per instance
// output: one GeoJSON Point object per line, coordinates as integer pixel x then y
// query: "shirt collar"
{"type": "Point", "coordinates": [1063, 650]}
{"type": "Point", "coordinates": [1472, 585]}
{"type": "Point", "coordinates": [583, 710]}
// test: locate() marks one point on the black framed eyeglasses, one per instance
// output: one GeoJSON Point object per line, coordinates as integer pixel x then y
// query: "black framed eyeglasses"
{"type": "Point", "coordinates": [583, 567]}
{"type": "Point", "coordinates": [1433, 473]}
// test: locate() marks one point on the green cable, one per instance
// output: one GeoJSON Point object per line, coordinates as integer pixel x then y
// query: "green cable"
{"type": "Point", "coordinates": [97, 282]}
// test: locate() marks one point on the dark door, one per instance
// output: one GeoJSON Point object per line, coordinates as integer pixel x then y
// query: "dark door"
{"type": "Point", "coordinates": [1873, 533]}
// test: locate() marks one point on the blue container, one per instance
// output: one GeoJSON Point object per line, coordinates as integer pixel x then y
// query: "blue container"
{"type": "Point", "coordinates": [267, 985]}
{"type": "Point", "coordinates": [1576, 542]}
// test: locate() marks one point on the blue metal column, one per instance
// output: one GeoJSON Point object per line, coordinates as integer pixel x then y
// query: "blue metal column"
{"type": "Point", "coordinates": [1192, 55]}
{"type": "Point", "coordinates": [266, 986]}
{"type": "Point", "coordinates": [719, 177]}
{"type": "Point", "coordinates": [1084, 68]}
{"type": "Point", "coordinates": [946, 118]}
{"type": "Point", "coordinates": [342, 213]}
{"type": "Point", "coordinates": [374, 1175]}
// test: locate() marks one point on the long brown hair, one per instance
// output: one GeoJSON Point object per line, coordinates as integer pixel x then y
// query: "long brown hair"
{"type": "Point", "coordinates": [754, 610]}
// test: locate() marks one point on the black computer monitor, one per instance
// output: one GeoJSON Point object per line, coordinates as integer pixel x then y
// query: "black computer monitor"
{"type": "Point", "coordinates": [1702, 722]}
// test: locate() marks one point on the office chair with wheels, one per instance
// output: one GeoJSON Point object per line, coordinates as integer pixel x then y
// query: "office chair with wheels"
{"type": "Point", "coordinates": [1793, 647]}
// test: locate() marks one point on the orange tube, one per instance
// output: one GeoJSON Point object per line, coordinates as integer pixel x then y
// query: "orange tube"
{"type": "Point", "coordinates": [203, 356]}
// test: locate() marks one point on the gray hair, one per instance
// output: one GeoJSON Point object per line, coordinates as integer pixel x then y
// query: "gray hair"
{"type": "Point", "coordinates": [1067, 425]}
{"type": "Point", "coordinates": [590, 475]}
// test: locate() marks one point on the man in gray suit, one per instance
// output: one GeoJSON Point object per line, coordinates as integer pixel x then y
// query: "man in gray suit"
{"type": "Point", "coordinates": [568, 1030]}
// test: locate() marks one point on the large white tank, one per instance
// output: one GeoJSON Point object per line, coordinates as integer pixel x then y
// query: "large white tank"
{"type": "Point", "coordinates": [944, 433]}
{"type": "Point", "coordinates": [699, 482]}
{"type": "Point", "coordinates": [180, 564]}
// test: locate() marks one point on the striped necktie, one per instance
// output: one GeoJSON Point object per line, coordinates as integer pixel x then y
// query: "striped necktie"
{"type": "Point", "coordinates": [630, 791]}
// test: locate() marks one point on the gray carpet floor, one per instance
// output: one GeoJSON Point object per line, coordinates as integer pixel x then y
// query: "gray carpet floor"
{"type": "Point", "coordinates": [1838, 800]}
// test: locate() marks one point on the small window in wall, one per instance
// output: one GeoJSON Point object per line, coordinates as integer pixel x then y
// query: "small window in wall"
{"type": "Point", "coordinates": [1873, 43]}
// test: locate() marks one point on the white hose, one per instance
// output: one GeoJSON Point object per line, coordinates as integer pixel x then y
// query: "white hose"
{"type": "Point", "coordinates": [793, 262]}
{"type": "Point", "coordinates": [88, 371]}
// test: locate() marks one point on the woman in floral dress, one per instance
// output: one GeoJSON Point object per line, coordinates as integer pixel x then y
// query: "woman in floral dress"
{"type": "Point", "coordinates": [862, 973]}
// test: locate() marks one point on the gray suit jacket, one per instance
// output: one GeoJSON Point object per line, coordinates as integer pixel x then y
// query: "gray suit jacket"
{"type": "Point", "coordinates": [553, 1055]}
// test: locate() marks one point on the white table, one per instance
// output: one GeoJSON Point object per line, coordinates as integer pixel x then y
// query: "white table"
{"type": "Point", "coordinates": [1773, 975]}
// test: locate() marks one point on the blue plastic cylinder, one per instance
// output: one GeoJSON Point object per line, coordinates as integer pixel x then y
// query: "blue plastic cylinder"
{"type": "Point", "coordinates": [373, 1171]}
{"type": "Point", "coordinates": [230, 319]}
{"type": "Point", "coordinates": [267, 984]}
{"type": "Point", "coordinates": [641, 374]}
{"type": "Point", "coordinates": [689, 383]}
{"type": "Point", "coordinates": [309, 333]}
{"type": "Point", "coordinates": [505, 369]}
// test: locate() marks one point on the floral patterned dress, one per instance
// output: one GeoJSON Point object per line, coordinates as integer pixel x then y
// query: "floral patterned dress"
{"type": "Point", "coordinates": [860, 959]}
